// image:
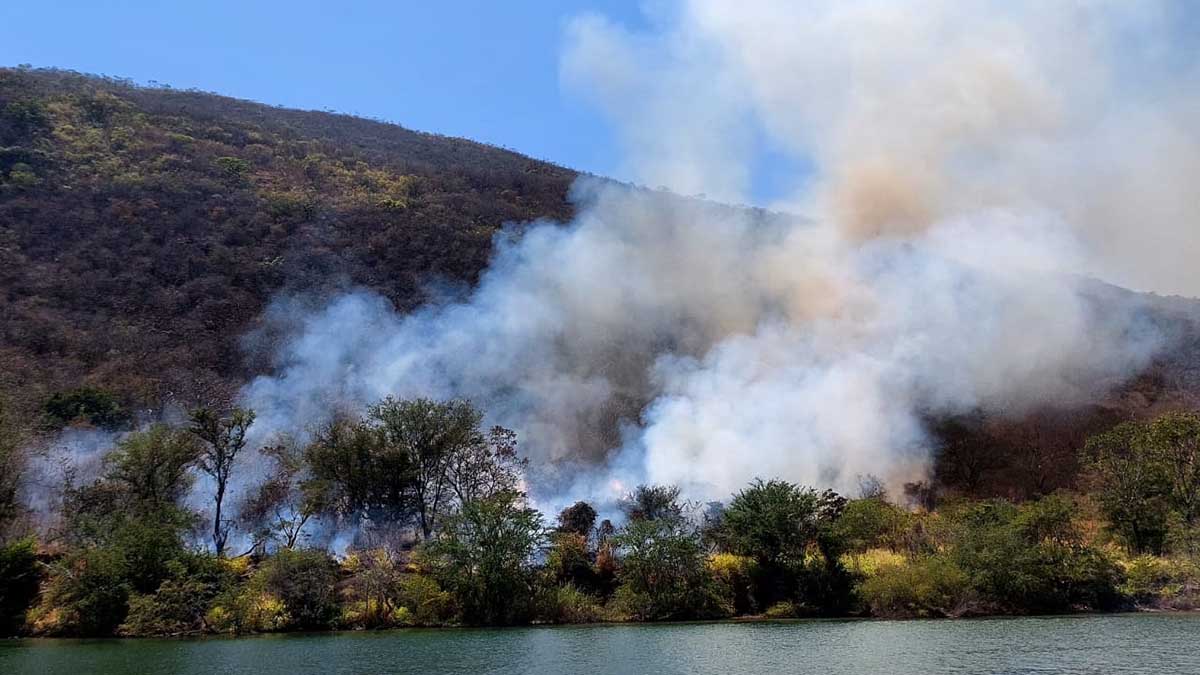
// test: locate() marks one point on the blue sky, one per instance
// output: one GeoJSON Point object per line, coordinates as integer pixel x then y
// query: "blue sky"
{"type": "Point", "coordinates": [483, 70]}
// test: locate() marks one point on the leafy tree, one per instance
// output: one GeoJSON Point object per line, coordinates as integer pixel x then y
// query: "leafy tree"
{"type": "Point", "coordinates": [448, 454]}
{"type": "Point", "coordinates": [94, 406]}
{"type": "Point", "coordinates": [663, 573]}
{"type": "Point", "coordinates": [182, 600]}
{"type": "Point", "coordinates": [19, 580]}
{"type": "Point", "coordinates": [364, 477]}
{"type": "Point", "coordinates": [224, 438]}
{"type": "Point", "coordinates": [925, 586]}
{"type": "Point", "coordinates": [579, 518]}
{"type": "Point", "coordinates": [1133, 485]}
{"type": "Point", "coordinates": [777, 524]}
{"type": "Point", "coordinates": [89, 592]}
{"type": "Point", "coordinates": [305, 582]}
{"type": "Point", "coordinates": [485, 466]}
{"type": "Point", "coordinates": [654, 502]}
{"type": "Point", "coordinates": [1032, 557]}
{"type": "Point", "coordinates": [153, 467]}
{"type": "Point", "coordinates": [872, 523]}
{"type": "Point", "coordinates": [1175, 439]}
{"type": "Point", "coordinates": [373, 589]}
{"type": "Point", "coordinates": [484, 555]}
{"type": "Point", "coordinates": [418, 458]}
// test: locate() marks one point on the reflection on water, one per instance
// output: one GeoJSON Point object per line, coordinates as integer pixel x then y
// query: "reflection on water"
{"type": "Point", "coordinates": [1162, 644]}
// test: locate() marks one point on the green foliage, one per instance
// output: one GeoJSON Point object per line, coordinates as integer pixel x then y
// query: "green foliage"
{"type": "Point", "coordinates": [304, 582]}
{"type": "Point", "coordinates": [654, 502]}
{"type": "Point", "coordinates": [234, 168]}
{"type": "Point", "coordinates": [926, 586]}
{"type": "Point", "coordinates": [579, 518]}
{"type": "Point", "coordinates": [484, 557]}
{"type": "Point", "coordinates": [737, 576]}
{"type": "Point", "coordinates": [97, 407]}
{"type": "Point", "coordinates": [871, 523]}
{"type": "Point", "coordinates": [773, 522]}
{"type": "Point", "coordinates": [663, 573]}
{"type": "Point", "coordinates": [1175, 442]}
{"type": "Point", "coordinates": [1133, 485]}
{"type": "Point", "coordinates": [425, 601]}
{"type": "Point", "coordinates": [790, 531]}
{"type": "Point", "coordinates": [88, 595]}
{"type": "Point", "coordinates": [1162, 583]}
{"type": "Point", "coordinates": [180, 604]}
{"type": "Point", "coordinates": [1032, 558]}
{"type": "Point", "coordinates": [153, 466]}
{"type": "Point", "coordinates": [568, 604]}
{"type": "Point", "coordinates": [19, 581]}
{"type": "Point", "coordinates": [415, 457]}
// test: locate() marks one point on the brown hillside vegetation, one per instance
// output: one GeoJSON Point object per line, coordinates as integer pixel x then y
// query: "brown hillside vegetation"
{"type": "Point", "coordinates": [142, 229]}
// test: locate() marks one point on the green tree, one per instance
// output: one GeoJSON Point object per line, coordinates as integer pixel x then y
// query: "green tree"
{"type": "Point", "coordinates": [663, 573]}
{"type": "Point", "coordinates": [153, 467]}
{"type": "Point", "coordinates": [305, 581]}
{"type": "Point", "coordinates": [779, 524]}
{"type": "Point", "coordinates": [19, 580]}
{"type": "Point", "coordinates": [484, 555]}
{"type": "Point", "coordinates": [1175, 439]}
{"type": "Point", "coordinates": [448, 453]}
{"type": "Point", "coordinates": [364, 477]}
{"type": "Point", "coordinates": [1132, 485]}
{"type": "Point", "coordinates": [224, 439]}
{"type": "Point", "coordinates": [94, 406]}
{"type": "Point", "coordinates": [579, 518]}
{"type": "Point", "coordinates": [90, 591]}
{"type": "Point", "coordinates": [414, 458]}
{"type": "Point", "coordinates": [1032, 557]}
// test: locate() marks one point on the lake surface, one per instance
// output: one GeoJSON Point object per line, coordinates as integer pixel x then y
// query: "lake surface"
{"type": "Point", "coordinates": [1162, 644]}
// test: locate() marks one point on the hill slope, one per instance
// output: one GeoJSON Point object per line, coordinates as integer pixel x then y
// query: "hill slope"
{"type": "Point", "coordinates": [142, 230]}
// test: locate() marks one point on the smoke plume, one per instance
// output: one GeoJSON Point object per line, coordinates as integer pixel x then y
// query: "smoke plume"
{"type": "Point", "coordinates": [973, 164]}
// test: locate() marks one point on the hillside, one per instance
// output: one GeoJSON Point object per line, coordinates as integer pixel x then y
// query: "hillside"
{"type": "Point", "coordinates": [143, 230]}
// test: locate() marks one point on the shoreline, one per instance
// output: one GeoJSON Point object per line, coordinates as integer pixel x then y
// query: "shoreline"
{"type": "Point", "coordinates": [757, 619]}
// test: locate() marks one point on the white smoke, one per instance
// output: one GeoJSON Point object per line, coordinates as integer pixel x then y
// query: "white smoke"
{"type": "Point", "coordinates": [974, 160]}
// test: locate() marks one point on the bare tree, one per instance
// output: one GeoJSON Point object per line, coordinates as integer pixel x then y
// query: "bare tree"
{"type": "Point", "coordinates": [224, 438]}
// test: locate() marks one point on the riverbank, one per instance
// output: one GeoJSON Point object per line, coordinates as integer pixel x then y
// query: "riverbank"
{"type": "Point", "coordinates": [1063, 645]}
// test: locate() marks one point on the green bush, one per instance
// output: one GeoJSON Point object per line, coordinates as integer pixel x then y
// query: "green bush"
{"type": "Point", "coordinates": [1032, 558]}
{"type": "Point", "coordinates": [1167, 583]}
{"type": "Point", "coordinates": [568, 604]}
{"type": "Point", "coordinates": [181, 603]}
{"type": "Point", "coordinates": [782, 610]}
{"type": "Point", "coordinates": [19, 579]}
{"type": "Point", "coordinates": [484, 556]}
{"type": "Point", "coordinates": [89, 595]}
{"type": "Point", "coordinates": [930, 586]}
{"type": "Point", "coordinates": [871, 523]}
{"type": "Point", "coordinates": [94, 406]}
{"type": "Point", "coordinates": [426, 602]}
{"type": "Point", "coordinates": [664, 576]}
{"type": "Point", "coordinates": [304, 581]}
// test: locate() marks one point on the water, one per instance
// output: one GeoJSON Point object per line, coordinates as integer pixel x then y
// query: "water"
{"type": "Point", "coordinates": [1162, 644]}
